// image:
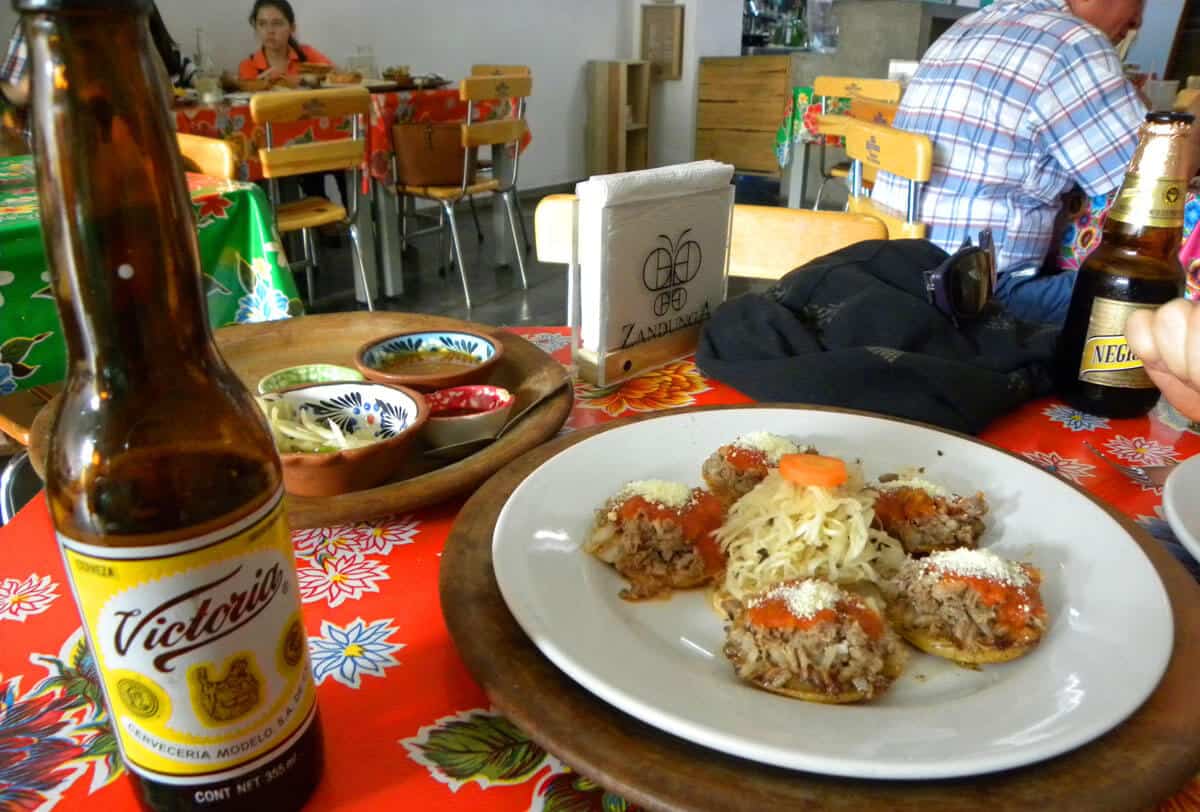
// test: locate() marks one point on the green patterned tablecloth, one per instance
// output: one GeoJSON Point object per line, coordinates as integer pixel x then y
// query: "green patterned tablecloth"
{"type": "Point", "coordinates": [245, 271]}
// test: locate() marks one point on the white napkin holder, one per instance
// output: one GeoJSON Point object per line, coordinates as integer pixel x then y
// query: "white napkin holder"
{"type": "Point", "coordinates": [648, 266]}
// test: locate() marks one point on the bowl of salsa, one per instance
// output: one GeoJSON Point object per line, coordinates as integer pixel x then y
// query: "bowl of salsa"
{"type": "Point", "coordinates": [464, 413]}
{"type": "Point", "coordinates": [429, 360]}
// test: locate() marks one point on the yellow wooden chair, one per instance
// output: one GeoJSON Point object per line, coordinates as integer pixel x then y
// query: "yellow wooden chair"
{"type": "Point", "coordinates": [860, 110]}
{"type": "Point", "coordinates": [876, 98]}
{"type": "Point", "coordinates": [207, 156]}
{"type": "Point", "coordinates": [903, 154]}
{"type": "Point", "coordinates": [766, 242]}
{"type": "Point", "coordinates": [502, 133]}
{"type": "Point", "coordinates": [486, 165]}
{"type": "Point", "coordinates": [1186, 98]}
{"type": "Point", "coordinates": [348, 155]}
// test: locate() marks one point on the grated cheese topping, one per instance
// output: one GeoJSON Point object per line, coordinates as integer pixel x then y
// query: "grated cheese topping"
{"type": "Point", "coordinates": [977, 564]}
{"type": "Point", "coordinates": [668, 494]}
{"type": "Point", "coordinates": [913, 479]}
{"type": "Point", "coordinates": [772, 445]}
{"type": "Point", "coordinates": [805, 598]}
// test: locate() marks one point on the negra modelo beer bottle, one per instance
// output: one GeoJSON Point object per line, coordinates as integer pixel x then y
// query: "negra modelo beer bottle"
{"type": "Point", "coordinates": [1135, 266]}
{"type": "Point", "coordinates": [162, 479]}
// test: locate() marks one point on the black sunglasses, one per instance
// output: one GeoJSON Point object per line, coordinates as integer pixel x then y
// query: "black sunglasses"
{"type": "Point", "coordinates": [962, 286]}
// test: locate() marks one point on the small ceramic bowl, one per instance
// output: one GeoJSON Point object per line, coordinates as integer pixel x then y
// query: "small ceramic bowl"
{"type": "Point", "coordinates": [304, 374]}
{"type": "Point", "coordinates": [428, 360]}
{"type": "Point", "coordinates": [465, 413]}
{"type": "Point", "coordinates": [394, 413]}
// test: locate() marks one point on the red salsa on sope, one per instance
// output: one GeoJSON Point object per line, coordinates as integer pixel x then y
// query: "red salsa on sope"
{"type": "Point", "coordinates": [1010, 588]}
{"type": "Point", "coordinates": [697, 512]}
{"type": "Point", "coordinates": [804, 604]}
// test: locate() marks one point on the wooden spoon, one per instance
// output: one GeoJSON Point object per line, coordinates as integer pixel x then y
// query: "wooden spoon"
{"type": "Point", "coordinates": [543, 383]}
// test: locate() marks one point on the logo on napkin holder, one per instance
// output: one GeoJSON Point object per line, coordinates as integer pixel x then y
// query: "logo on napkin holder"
{"type": "Point", "coordinates": [667, 271]}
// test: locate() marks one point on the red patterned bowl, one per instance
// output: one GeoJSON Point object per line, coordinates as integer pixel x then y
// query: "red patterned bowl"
{"type": "Point", "coordinates": [464, 413]}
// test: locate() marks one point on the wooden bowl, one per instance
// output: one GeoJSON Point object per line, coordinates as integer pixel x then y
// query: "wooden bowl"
{"type": "Point", "coordinates": [428, 360]}
{"type": "Point", "coordinates": [255, 350]}
{"type": "Point", "coordinates": [393, 413]}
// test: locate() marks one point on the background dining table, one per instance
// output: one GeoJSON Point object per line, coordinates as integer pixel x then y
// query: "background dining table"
{"type": "Point", "coordinates": [246, 274]}
{"type": "Point", "coordinates": [231, 121]}
{"type": "Point", "coordinates": [406, 726]}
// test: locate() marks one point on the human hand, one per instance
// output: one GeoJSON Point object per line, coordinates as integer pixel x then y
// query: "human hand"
{"type": "Point", "coordinates": [1167, 341]}
{"type": "Point", "coordinates": [272, 75]}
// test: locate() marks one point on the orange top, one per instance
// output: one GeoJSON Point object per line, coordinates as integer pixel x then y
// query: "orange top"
{"type": "Point", "coordinates": [256, 63]}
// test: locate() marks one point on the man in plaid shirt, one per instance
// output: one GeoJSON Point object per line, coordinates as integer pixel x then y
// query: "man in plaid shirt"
{"type": "Point", "coordinates": [1022, 100]}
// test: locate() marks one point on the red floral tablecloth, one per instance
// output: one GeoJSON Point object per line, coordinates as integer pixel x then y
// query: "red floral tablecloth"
{"type": "Point", "coordinates": [406, 726]}
{"type": "Point", "coordinates": [233, 123]}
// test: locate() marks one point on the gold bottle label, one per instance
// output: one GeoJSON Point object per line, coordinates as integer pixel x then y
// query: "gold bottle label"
{"type": "Point", "coordinates": [1107, 359]}
{"type": "Point", "coordinates": [200, 646]}
{"type": "Point", "coordinates": [1150, 201]}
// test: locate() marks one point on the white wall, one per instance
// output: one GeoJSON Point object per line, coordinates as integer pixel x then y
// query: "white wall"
{"type": "Point", "coordinates": [556, 39]}
{"type": "Point", "coordinates": [710, 28]}
{"type": "Point", "coordinates": [1152, 48]}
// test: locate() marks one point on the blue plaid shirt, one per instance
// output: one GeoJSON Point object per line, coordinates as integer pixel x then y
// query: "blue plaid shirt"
{"type": "Point", "coordinates": [1022, 100]}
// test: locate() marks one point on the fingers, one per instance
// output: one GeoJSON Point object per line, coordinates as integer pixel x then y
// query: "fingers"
{"type": "Point", "coordinates": [1139, 332]}
{"type": "Point", "coordinates": [1168, 339]}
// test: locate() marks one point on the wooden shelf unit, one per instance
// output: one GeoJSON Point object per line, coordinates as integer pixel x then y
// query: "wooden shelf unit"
{"type": "Point", "coordinates": [739, 110]}
{"type": "Point", "coordinates": [618, 137]}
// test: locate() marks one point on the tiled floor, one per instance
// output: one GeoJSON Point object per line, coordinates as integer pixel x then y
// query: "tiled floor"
{"type": "Point", "coordinates": [496, 293]}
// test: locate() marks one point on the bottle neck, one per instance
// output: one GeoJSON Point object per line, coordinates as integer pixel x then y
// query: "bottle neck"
{"type": "Point", "coordinates": [1147, 214]}
{"type": "Point", "coordinates": [116, 211]}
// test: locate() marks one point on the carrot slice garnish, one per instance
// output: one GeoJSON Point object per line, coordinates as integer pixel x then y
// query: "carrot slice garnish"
{"type": "Point", "coordinates": [813, 469]}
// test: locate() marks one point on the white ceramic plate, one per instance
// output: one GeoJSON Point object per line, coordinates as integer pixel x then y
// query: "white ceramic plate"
{"type": "Point", "coordinates": [1181, 503]}
{"type": "Point", "coordinates": [661, 661]}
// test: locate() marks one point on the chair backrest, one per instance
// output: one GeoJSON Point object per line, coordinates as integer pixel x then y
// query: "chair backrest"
{"type": "Point", "coordinates": [767, 241]}
{"type": "Point", "coordinates": [871, 110]}
{"type": "Point", "coordinates": [207, 156]}
{"type": "Point", "coordinates": [906, 155]}
{"type": "Point", "coordinates": [500, 70]}
{"type": "Point", "coordinates": [505, 131]}
{"type": "Point", "coordinates": [1186, 98]}
{"type": "Point", "coordinates": [770, 241]}
{"type": "Point", "coordinates": [884, 90]}
{"type": "Point", "coordinates": [321, 156]}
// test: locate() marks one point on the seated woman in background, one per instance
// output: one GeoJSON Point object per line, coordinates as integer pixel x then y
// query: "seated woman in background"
{"type": "Point", "coordinates": [280, 56]}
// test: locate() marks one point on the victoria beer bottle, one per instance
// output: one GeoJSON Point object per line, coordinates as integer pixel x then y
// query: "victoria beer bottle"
{"type": "Point", "coordinates": [162, 479]}
{"type": "Point", "coordinates": [1135, 266]}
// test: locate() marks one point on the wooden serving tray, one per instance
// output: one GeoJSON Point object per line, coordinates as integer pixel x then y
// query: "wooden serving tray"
{"type": "Point", "coordinates": [1143, 761]}
{"type": "Point", "coordinates": [255, 350]}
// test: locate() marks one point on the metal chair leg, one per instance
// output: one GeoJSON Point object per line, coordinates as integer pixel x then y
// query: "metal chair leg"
{"type": "Point", "coordinates": [441, 254]}
{"type": "Point", "coordinates": [475, 217]}
{"type": "Point", "coordinates": [820, 191]}
{"type": "Point", "coordinates": [310, 263]}
{"type": "Point", "coordinates": [356, 249]}
{"type": "Point", "coordinates": [510, 206]}
{"type": "Point", "coordinates": [402, 211]}
{"type": "Point", "coordinates": [448, 208]}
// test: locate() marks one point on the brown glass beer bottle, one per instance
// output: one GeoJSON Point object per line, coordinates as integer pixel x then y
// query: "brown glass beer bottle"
{"type": "Point", "coordinates": [1135, 266]}
{"type": "Point", "coordinates": [162, 479]}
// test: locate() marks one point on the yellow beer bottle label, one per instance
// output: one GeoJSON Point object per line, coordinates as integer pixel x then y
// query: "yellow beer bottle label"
{"type": "Point", "coordinates": [1150, 201]}
{"type": "Point", "coordinates": [200, 646]}
{"type": "Point", "coordinates": [1107, 359]}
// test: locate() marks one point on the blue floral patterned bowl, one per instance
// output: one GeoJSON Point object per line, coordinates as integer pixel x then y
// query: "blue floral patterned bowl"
{"type": "Point", "coordinates": [430, 359]}
{"type": "Point", "coordinates": [393, 414]}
